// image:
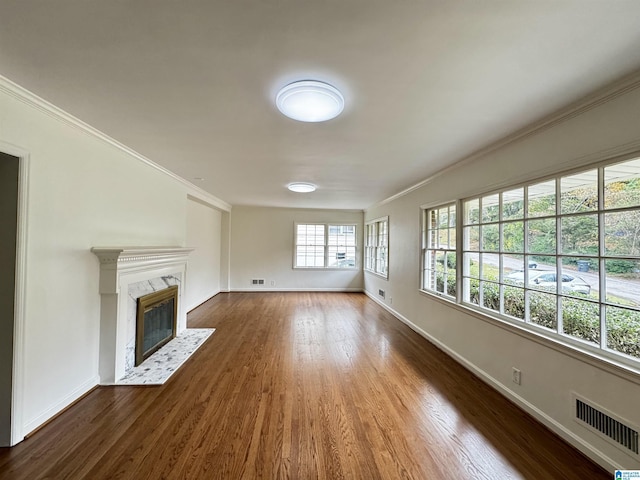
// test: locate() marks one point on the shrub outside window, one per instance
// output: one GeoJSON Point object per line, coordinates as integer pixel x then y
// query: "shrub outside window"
{"type": "Point", "coordinates": [376, 248]}
{"type": "Point", "coordinates": [562, 255]}
{"type": "Point", "coordinates": [325, 246]}
{"type": "Point", "coordinates": [439, 250]}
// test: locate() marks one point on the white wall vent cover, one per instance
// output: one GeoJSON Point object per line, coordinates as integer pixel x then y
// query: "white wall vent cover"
{"type": "Point", "coordinates": [615, 430]}
{"type": "Point", "coordinates": [257, 281]}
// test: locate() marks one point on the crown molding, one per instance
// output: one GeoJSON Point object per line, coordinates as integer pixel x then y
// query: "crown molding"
{"type": "Point", "coordinates": [25, 96]}
{"type": "Point", "coordinates": [599, 97]}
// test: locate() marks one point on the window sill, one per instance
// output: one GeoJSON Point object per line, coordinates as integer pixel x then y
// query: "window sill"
{"type": "Point", "coordinates": [386, 277]}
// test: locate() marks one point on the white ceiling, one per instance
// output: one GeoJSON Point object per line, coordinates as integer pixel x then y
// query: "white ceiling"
{"type": "Point", "coordinates": [191, 84]}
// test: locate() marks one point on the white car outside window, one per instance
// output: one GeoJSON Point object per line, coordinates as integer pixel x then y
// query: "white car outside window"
{"type": "Point", "coordinates": [547, 280]}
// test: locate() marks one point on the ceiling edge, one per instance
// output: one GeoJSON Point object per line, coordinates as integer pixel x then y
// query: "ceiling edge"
{"type": "Point", "coordinates": [601, 96]}
{"type": "Point", "coordinates": [25, 96]}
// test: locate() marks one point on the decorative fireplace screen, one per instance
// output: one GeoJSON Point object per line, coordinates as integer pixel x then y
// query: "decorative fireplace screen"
{"type": "Point", "coordinates": [155, 321]}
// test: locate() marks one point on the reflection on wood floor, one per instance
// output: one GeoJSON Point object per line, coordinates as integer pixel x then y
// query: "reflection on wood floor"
{"type": "Point", "coordinates": [300, 386]}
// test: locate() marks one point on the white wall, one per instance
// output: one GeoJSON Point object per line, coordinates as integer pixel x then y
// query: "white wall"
{"type": "Point", "coordinates": [549, 376]}
{"type": "Point", "coordinates": [204, 229]}
{"type": "Point", "coordinates": [83, 191]}
{"type": "Point", "coordinates": [225, 252]}
{"type": "Point", "coordinates": [262, 247]}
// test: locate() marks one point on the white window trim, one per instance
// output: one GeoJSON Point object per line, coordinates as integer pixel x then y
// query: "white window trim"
{"type": "Point", "coordinates": [424, 209]}
{"type": "Point", "coordinates": [617, 363]}
{"type": "Point", "coordinates": [375, 222]}
{"type": "Point", "coordinates": [325, 246]}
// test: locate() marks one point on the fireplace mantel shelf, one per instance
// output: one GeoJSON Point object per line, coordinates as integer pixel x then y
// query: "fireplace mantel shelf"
{"type": "Point", "coordinates": [128, 259]}
{"type": "Point", "coordinates": [109, 255]}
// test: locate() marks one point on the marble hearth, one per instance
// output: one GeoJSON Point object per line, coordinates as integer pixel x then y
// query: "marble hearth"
{"type": "Point", "coordinates": [125, 275]}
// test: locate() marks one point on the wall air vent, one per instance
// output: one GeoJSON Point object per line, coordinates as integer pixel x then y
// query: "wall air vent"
{"type": "Point", "coordinates": [257, 281]}
{"type": "Point", "coordinates": [614, 430]}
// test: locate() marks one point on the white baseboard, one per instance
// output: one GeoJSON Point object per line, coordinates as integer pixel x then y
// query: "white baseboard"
{"type": "Point", "coordinates": [570, 437]}
{"type": "Point", "coordinates": [277, 289]}
{"type": "Point", "coordinates": [52, 411]}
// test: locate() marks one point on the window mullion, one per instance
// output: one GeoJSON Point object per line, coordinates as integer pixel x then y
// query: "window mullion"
{"type": "Point", "coordinates": [480, 249]}
{"type": "Point", "coordinates": [377, 252]}
{"type": "Point", "coordinates": [558, 258]}
{"type": "Point", "coordinates": [374, 260]}
{"type": "Point", "coordinates": [425, 246]}
{"type": "Point", "coordinates": [500, 255]}
{"type": "Point", "coordinates": [602, 287]}
{"type": "Point", "coordinates": [458, 251]}
{"type": "Point", "coordinates": [525, 217]}
{"type": "Point", "coordinates": [326, 245]}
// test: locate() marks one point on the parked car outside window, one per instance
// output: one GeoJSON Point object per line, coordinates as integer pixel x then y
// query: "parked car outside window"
{"type": "Point", "coordinates": [545, 279]}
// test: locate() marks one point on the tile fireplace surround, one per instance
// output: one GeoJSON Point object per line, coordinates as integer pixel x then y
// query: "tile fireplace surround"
{"type": "Point", "coordinates": [127, 273]}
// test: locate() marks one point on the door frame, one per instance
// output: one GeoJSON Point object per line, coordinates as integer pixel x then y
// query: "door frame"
{"type": "Point", "coordinates": [19, 319]}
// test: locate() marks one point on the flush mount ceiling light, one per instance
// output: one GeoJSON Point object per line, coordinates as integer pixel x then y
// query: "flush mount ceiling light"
{"type": "Point", "coordinates": [310, 101]}
{"type": "Point", "coordinates": [301, 187]}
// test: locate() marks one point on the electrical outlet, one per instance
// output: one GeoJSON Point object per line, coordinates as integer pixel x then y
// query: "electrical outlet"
{"type": "Point", "coordinates": [516, 376]}
{"type": "Point", "coordinates": [273, 283]}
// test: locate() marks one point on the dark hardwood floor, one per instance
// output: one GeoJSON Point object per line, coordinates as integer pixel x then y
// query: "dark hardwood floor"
{"type": "Point", "coordinates": [300, 386]}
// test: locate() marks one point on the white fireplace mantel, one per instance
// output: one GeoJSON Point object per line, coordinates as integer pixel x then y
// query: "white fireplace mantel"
{"type": "Point", "coordinates": [127, 273]}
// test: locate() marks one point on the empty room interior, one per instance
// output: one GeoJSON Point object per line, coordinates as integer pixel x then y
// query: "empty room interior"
{"type": "Point", "coordinates": [285, 239]}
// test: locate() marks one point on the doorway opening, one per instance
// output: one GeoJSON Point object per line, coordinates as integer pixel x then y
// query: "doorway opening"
{"type": "Point", "coordinates": [9, 195]}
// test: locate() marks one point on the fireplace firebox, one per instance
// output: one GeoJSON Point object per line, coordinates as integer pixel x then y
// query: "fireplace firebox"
{"type": "Point", "coordinates": [156, 321]}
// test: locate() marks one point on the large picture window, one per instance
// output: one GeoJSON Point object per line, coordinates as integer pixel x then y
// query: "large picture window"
{"type": "Point", "coordinates": [325, 246]}
{"type": "Point", "coordinates": [376, 248]}
{"type": "Point", "coordinates": [562, 255]}
{"type": "Point", "coordinates": [439, 250]}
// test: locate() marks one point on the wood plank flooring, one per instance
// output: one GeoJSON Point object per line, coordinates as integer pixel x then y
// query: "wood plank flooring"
{"type": "Point", "coordinates": [300, 386]}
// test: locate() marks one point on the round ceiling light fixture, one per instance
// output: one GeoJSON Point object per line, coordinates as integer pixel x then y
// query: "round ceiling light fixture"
{"type": "Point", "coordinates": [310, 101]}
{"type": "Point", "coordinates": [300, 187]}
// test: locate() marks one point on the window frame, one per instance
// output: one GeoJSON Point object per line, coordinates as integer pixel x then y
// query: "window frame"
{"type": "Point", "coordinates": [376, 241]}
{"type": "Point", "coordinates": [326, 246]}
{"type": "Point", "coordinates": [427, 246]}
{"type": "Point", "coordinates": [600, 304]}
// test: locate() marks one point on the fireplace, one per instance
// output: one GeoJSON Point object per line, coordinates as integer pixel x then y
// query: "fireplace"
{"type": "Point", "coordinates": [126, 274]}
{"type": "Point", "coordinates": [156, 321]}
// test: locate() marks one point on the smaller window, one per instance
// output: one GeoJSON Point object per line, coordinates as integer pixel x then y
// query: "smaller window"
{"type": "Point", "coordinates": [376, 251]}
{"type": "Point", "coordinates": [439, 249]}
